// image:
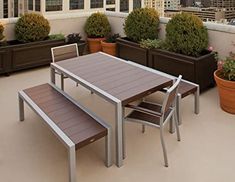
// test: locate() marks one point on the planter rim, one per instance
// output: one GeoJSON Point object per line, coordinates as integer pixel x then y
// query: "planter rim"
{"type": "Point", "coordinates": [111, 43]}
{"type": "Point", "coordinates": [31, 43]}
{"type": "Point", "coordinates": [221, 79]}
{"type": "Point", "coordinates": [97, 38]}
{"type": "Point", "coordinates": [182, 55]}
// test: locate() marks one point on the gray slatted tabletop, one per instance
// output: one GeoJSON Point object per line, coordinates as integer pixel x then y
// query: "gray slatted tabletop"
{"type": "Point", "coordinates": [115, 80]}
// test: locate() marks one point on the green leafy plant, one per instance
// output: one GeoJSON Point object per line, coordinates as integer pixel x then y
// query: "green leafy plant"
{"type": "Point", "coordinates": [228, 69]}
{"type": "Point", "coordinates": [1, 32]}
{"type": "Point", "coordinates": [56, 36]}
{"type": "Point", "coordinates": [97, 25]}
{"type": "Point", "coordinates": [142, 24]}
{"type": "Point", "coordinates": [112, 38]}
{"type": "Point", "coordinates": [32, 27]}
{"type": "Point", "coordinates": [185, 34]}
{"type": "Point", "coordinates": [151, 43]}
{"type": "Point", "coordinates": [74, 38]}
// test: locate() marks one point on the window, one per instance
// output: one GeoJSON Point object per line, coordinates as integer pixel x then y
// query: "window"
{"type": "Point", "coordinates": [5, 7]}
{"type": "Point", "coordinates": [37, 5]}
{"type": "Point", "coordinates": [110, 1]}
{"type": "Point", "coordinates": [97, 3]}
{"type": "Point", "coordinates": [16, 10]}
{"type": "Point", "coordinates": [53, 5]}
{"type": "Point", "coordinates": [76, 4]}
{"type": "Point", "coordinates": [30, 5]}
{"type": "Point", "coordinates": [124, 5]}
{"type": "Point", "coordinates": [136, 4]}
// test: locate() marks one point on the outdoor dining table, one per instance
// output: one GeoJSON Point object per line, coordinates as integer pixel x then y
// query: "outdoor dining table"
{"type": "Point", "coordinates": [116, 80]}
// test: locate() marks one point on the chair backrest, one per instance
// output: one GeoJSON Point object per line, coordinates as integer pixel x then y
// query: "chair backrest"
{"type": "Point", "coordinates": [64, 52]}
{"type": "Point", "coordinates": [171, 95]}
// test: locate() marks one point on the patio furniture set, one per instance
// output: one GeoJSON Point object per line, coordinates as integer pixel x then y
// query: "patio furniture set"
{"type": "Point", "coordinates": [118, 81]}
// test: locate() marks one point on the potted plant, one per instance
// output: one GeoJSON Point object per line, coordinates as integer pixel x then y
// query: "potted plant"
{"type": "Point", "coordinates": [109, 44]}
{"type": "Point", "coordinates": [140, 24]}
{"type": "Point", "coordinates": [97, 27]}
{"type": "Point", "coordinates": [185, 51]}
{"type": "Point", "coordinates": [76, 38]}
{"type": "Point", "coordinates": [32, 47]}
{"type": "Point", "coordinates": [225, 80]}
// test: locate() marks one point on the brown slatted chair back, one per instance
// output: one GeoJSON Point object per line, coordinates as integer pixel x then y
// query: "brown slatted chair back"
{"type": "Point", "coordinates": [171, 95]}
{"type": "Point", "coordinates": [64, 52]}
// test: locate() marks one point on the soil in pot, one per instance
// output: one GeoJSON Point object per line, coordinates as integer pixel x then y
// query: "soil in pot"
{"type": "Point", "coordinates": [109, 48]}
{"type": "Point", "coordinates": [226, 90]}
{"type": "Point", "coordinates": [94, 44]}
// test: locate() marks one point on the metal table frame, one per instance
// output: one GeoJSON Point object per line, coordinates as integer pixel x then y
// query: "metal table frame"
{"type": "Point", "coordinates": [118, 103]}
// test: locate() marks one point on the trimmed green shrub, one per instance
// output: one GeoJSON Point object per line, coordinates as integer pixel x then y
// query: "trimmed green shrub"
{"type": "Point", "coordinates": [56, 36]}
{"type": "Point", "coordinates": [185, 34]}
{"type": "Point", "coordinates": [32, 27]}
{"type": "Point", "coordinates": [151, 44]}
{"type": "Point", "coordinates": [142, 24]}
{"type": "Point", "coordinates": [1, 32]}
{"type": "Point", "coordinates": [97, 25]}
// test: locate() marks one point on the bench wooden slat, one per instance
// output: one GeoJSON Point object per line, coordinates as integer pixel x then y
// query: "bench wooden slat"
{"type": "Point", "coordinates": [81, 128]}
{"type": "Point", "coordinates": [186, 88]}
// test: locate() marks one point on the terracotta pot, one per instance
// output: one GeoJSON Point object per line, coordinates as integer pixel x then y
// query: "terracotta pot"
{"type": "Point", "coordinates": [94, 44]}
{"type": "Point", "coordinates": [226, 93]}
{"type": "Point", "coordinates": [109, 48]}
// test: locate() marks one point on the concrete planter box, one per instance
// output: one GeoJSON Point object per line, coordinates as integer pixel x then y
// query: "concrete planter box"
{"type": "Point", "coordinates": [18, 56]}
{"type": "Point", "coordinates": [199, 70]}
{"type": "Point", "coordinates": [132, 51]}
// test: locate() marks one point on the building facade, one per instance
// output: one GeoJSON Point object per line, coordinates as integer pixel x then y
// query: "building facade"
{"type": "Point", "coordinates": [223, 3]}
{"type": "Point", "coordinates": [12, 8]}
{"type": "Point", "coordinates": [159, 5]}
{"type": "Point", "coordinates": [172, 4]}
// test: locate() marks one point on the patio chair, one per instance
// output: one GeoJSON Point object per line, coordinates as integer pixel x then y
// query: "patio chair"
{"type": "Point", "coordinates": [61, 53]}
{"type": "Point", "coordinates": [157, 115]}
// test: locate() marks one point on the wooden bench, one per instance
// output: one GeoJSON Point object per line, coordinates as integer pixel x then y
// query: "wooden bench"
{"type": "Point", "coordinates": [73, 124]}
{"type": "Point", "coordinates": [185, 88]}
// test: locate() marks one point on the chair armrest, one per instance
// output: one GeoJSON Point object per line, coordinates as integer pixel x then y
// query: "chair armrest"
{"type": "Point", "coordinates": [144, 110]}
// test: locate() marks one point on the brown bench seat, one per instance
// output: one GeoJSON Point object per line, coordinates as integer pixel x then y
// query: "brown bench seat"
{"type": "Point", "coordinates": [71, 122]}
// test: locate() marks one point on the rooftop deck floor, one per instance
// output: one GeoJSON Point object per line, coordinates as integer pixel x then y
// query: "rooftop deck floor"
{"type": "Point", "coordinates": [30, 152]}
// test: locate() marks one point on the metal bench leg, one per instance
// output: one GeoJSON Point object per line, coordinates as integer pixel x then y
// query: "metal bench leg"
{"type": "Point", "coordinates": [72, 164]}
{"type": "Point", "coordinates": [108, 148]}
{"type": "Point", "coordinates": [178, 108]}
{"type": "Point", "coordinates": [21, 108]}
{"type": "Point", "coordinates": [62, 81]}
{"type": "Point", "coordinates": [196, 102]}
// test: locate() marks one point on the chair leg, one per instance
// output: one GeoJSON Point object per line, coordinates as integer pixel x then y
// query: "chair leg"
{"type": "Point", "coordinates": [143, 128]}
{"type": "Point", "coordinates": [196, 100]}
{"type": "Point", "coordinates": [108, 149]}
{"type": "Point", "coordinates": [178, 108]}
{"type": "Point", "coordinates": [163, 147]}
{"type": "Point", "coordinates": [62, 81]}
{"type": "Point", "coordinates": [21, 108]}
{"type": "Point", "coordinates": [176, 125]}
{"type": "Point", "coordinates": [72, 164]}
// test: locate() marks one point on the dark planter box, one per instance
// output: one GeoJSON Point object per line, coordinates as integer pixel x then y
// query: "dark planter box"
{"type": "Point", "coordinates": [82, 47]}
{"type": "Point", "coordinates": [198, 70]}
{"type": "Point", "coordinates": [18, 56]}
{"type": "Point", "coordinates": [132, 51]}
